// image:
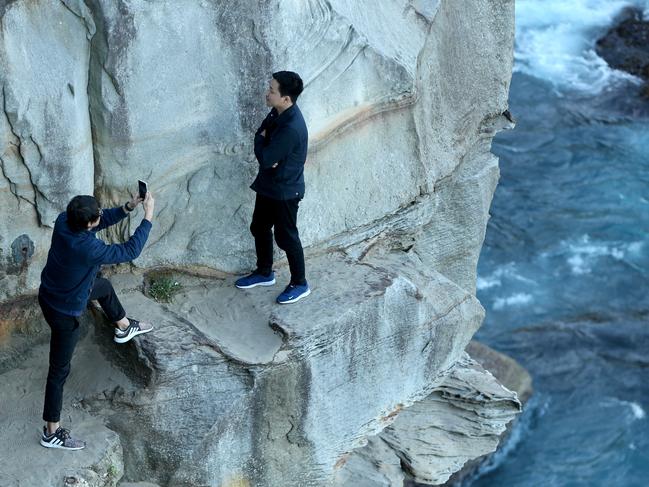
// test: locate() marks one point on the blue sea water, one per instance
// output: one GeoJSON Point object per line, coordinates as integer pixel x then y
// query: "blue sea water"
{"type": "Point", "coordinates": [564, 271]}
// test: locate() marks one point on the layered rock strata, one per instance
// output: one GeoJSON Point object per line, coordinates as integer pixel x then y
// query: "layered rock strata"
{"type": "Point", "coordinates": [463, 418]}
{"type": "Point", "coordinates": [515, 378]}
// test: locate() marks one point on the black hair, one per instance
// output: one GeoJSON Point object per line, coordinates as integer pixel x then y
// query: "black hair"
{"type": "Point", "coordinates": [290, 84]}
{"type": "Point", "coordinates": [81, 210]}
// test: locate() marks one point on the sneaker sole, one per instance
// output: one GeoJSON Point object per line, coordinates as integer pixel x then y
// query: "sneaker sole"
{"type": "Point", "coordinates": [129, 337]}
{"type": "Point", "coordinates": [295, 299]}
{"type": "Point", "coordinates": [265, 283]}
{"type": "Point", "coordinates": [60, 447]}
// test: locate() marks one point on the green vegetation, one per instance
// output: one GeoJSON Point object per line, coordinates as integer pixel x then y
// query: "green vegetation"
{"type": "Point", "coordinates": [113, 471]}
{"type": "Point", "coordinates": [163, 288]}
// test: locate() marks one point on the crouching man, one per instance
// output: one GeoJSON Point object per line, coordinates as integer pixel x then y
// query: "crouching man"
{"type": "Point", "coordinates": [69, 280]}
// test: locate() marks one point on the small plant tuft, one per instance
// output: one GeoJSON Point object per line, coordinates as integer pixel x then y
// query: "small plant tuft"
{"type": "Point", "coordinates": [112, 471]}
{"type": "Point", "coordinates": [163, 289]}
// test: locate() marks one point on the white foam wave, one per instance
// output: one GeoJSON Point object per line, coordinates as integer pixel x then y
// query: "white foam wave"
{"type": "Point", "coordinates": [518, 299]}
{"type": "Point", "coordinates": [636, 410]}
{"type": "Point", "coordinates": [487, 282]}
{"type": "Point", "coordinates": [635, 247]}
{"type": "Point", "coordinates": [584, 253]}
{"type": "Point", "coordinates": [555, 41]}
{"type": "Point", "coordinates": [495, 279]}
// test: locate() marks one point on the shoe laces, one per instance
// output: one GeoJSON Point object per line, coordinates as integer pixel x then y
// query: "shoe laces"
{"type": "Point", "coordinates": [63, 433]}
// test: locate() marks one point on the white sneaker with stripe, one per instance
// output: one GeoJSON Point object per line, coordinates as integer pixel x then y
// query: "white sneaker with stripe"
{"type": "Point", "coordinates": [133, 329]}
{"type": "Point", "coordinates": [61, 439]}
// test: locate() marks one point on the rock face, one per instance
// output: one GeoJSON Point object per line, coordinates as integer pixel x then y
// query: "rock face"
{"type": "Point", "coordinates": [401, 105]}
{"type": "Point", "coordinates": [45, 132]}
{"type": "Point", "coordinates": [401, 102]}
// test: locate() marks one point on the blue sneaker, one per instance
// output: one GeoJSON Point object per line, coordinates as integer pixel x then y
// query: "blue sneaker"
{"type": "Point", "coordinates": [255, 279]}
{"type": "Point", "coordinates": [292, 293]}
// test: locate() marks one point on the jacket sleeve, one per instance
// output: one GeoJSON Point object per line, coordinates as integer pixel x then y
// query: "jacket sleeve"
{"type": "Point", "coordinates": [110, 217]}
{"type": "Point", "coordinates": [103, 253]}
{"type": "Point", "coordinates": [280, 145]}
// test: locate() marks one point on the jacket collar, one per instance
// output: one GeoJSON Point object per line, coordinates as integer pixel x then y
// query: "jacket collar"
{"type": "Point", "coordinates": [286, 114]}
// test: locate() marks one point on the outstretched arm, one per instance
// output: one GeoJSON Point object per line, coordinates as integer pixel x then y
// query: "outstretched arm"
{"type": "Point", "coordinates": [103, 253]}
{"type": "Point", "coordinates": [114, 215]}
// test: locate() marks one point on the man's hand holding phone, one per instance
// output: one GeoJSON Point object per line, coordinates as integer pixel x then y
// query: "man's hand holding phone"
{"type": "Point", "coordinates": [133, 202]}
{"type": "Point", "coordinates": [148, 204]}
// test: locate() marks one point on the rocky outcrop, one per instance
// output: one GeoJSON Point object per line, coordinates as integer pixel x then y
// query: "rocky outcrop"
{"type": "Point", "coordinates": [515, 378]}
{"type": "Point", "coordinates": [283, 404]}
{"type": "Point", "coordinates": [626, 46]}
{"type": "Point", "coordinates": [462, 419]}
{"type": "Point", "coordinates": [402, 104]}
{"type": "Point", "coordinates": [45, 139]}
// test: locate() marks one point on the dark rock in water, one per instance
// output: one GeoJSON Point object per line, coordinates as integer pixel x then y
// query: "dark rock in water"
{"type": "Point", "coordinates": [626, 46]}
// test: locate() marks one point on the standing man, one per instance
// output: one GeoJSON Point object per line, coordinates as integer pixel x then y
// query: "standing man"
{"type": "Point", "coordinates": [69, 280]}
{"type": "Point", "coordinates": [280, 147]}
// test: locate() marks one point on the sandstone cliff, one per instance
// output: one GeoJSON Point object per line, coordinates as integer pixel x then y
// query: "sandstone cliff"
{"type": "Point", "coordinates": [402, 103]}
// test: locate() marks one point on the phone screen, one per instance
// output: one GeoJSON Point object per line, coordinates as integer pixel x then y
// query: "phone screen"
{"type": "Point", "coordinates": [142, 187]}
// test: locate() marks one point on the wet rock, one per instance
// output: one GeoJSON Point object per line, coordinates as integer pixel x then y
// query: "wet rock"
{"type": "Point", "coordinates": [626, 46]}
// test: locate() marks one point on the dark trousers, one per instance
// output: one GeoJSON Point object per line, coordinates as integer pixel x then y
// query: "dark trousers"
{"type": "Point", "coordinates": [64, 338]}
{"type": "Point", "coordinates": [282, 216]}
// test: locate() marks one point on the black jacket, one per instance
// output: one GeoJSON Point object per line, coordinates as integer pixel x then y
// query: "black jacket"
{"type": "Point", "coordinates": [75, 258]}
{"type": "Point", "coordinates": [286, 144]}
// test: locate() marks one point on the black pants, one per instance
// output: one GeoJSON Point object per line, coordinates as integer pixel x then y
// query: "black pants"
{"type": "Point", "coordinates": [65, 335]}
{"type": "Point", "coordinates": [282, 215]}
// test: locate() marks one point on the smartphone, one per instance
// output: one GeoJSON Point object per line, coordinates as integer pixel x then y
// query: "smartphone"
{"type": "Point", "coordinates": [142, 187]}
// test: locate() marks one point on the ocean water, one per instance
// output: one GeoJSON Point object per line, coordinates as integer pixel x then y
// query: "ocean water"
{"type": "Point", "coordinates": [564, 272]}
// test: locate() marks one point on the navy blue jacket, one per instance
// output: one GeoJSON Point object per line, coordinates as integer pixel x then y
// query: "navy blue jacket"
{"type": "Point", "coordinates": [286, 144]}
{"type": "Point", "coordinates": [75, 258]}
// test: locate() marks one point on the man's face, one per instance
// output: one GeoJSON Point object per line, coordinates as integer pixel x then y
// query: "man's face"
{"type": "Point", "coordinates": [273, 97]}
